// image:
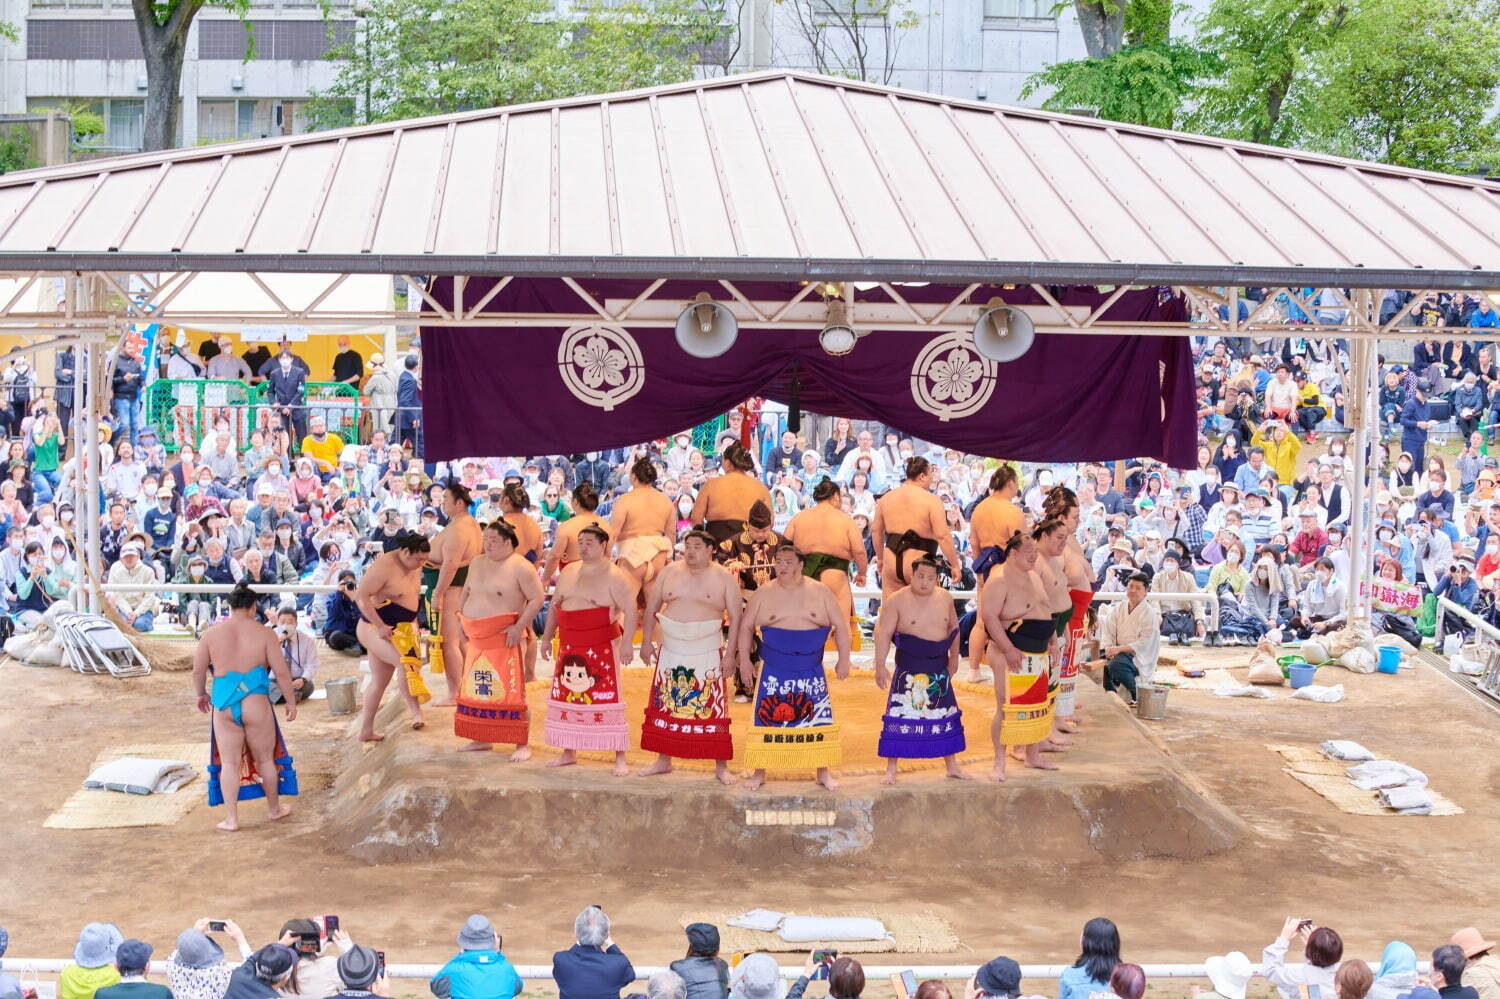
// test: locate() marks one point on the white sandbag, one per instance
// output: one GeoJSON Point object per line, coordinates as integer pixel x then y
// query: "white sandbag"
{"type": "Point", "coordinates": [1349, 637]}
{"type": "Point", "coordinates": [137, 775]}
{"type": "Point", "coordinates": [1314, 651]}
{"type": "Point", "coordinates": [1346, 750]}
{"type": "Point", "coordinates": [810, 929]}
{"type": "Point", "coordinates": [1321, 694]}
{"type": "Point", "coordinates": [1263, 666]}
{"type": "Point", "coordinates": [48, 653]}
{"type": "Point", "coordinates": [1357, 660]}
{"type": "Point", "coordinates": [20, 646]}
{"type": "Point", "coordinates": [1228, 688]}
{"type": "Point", "coordinates": [764, 920]}
{"type": "Point", "coordinates": [1377, 774]}
{"type": "Point", "coordinates": [1408, 800]}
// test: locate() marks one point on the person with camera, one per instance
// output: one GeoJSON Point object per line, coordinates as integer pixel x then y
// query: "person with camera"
{"type": "Point", "coordinates": [301, 652]}
{"type": "Point", "coordinates": [846, 976]}
{"type": "Point", "coordinates": [319, 960]}
{"type": "Point", "coordinates": [1323, 949]}
{"type": "Point", "coordinates": [343, 617]}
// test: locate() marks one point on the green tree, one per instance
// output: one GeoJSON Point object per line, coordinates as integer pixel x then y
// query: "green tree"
{"type": "Point", "coordinates": [15, 149]}
{"type": "Point", "coordinates": [1413, 82]}
{"type": "Point", "coordinates": [1142, 84]}
{"type": "Point", "coordinates": [420, 57]}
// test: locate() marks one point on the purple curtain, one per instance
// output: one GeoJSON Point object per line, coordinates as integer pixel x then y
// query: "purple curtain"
{"type": "Point", "coordinates": [1072, 397]}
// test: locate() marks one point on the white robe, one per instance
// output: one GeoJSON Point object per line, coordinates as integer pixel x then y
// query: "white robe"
{"type": "Point", "coordinates": [1138, 627]}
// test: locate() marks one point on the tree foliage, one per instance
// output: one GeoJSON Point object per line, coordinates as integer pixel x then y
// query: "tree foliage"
{"type": "Point", "coordinates": [1411, 82]}
{"type": "Point", "coordinates": [420, 57]}
{"type": "Point", "coordinates": [1143, 84]}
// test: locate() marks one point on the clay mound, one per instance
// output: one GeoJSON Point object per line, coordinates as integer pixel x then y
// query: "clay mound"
{"type": "Point", "coordinates": [1118, 797]}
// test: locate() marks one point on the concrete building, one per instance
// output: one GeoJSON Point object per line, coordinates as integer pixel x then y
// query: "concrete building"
{"type": "Point", "coordinates": [86, 55]}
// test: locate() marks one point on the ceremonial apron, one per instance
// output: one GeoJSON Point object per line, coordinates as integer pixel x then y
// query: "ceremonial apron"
{"type": "Point", "coordinates": [492, 699]}
{"type": "Point", "coordinates": [688, 716]}
{"type": "Point", "coordinates": [1026, 716]}
{"type": "Point", "coordinates": [1067, 694]}
{"type": "Point", "coordinates": [922, 720]}
{"type": "Point", "coordinates": [792, 726]}
{"type": "Point", "coordinates": [226, 694]}
{"type": "Point", "coordinates": [586, 708]}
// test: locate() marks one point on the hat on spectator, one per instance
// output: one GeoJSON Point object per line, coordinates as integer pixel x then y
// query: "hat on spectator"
{"type": "Point", "coordinates": [1469, 940]}
{"type": "Point", "coordinates": [1123, 546]}
{"type": "Point", "coordinates": [1257, 491]}
{"type": "Point", "coordinates": [198, 560]}
{"type": "Point", "coordinates": [1184, 490]}
{"type": "Point", "coordinates": [195, 949]}
{"type": "Point", "coordinates": [429, 511]}
{"type": "Point", "coordinates": [1152, 535]}
{"type": "Point", "coordinates": [1229, 485]}
{"type": "Point", "coordinates": [1310, 513]}
{"type": "Point", "coordinates": [263, 488]}
{"type": "Point", "coordinates": [703, 938]}
{"type": "Point", "coordinates": [96, 945]}
{"type": "Point", "coordinates": [999, 977]}
{"type": "Point", "coordinates": [131, 549]}
{"type": "Point", "coordinates": [477, 934]}
{"type": "Point", "coordinates": [1146, 503]}
{"type": "Point", "coordinates": [1463, 563]}
{"type": "Point", "coordinates": [165, 492]}
{"type": "Point", "coordinates": [1436, 510]}
{"type": "Point", "coordinates": [284, 520]}
{"type": "Point", "coordinates": [133, 955]}
{"type": "Point", "coordinates": [756, 977]}
{"type": "Point", "coordinates": [206, 514]}
{"type": "Point", "coordinates": [1229, 974]}
{"type": "Point", "coordinates": [273, 961]}
{"type": "Point", "coordinates": [511, 472]}
{"type": "Point", "coordinates": [358, 966]}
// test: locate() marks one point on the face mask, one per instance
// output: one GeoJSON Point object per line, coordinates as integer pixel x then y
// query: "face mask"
{"type": "Point", "coordinates": [1323, 575]}
{"type": "Point", "coordinates": [67, 516]}
{"type": "Point", "coordinates": [286, 364]}
{"type": "Point", "coordinates": [284, 533]}
{"type": "Point", "coordinates": [15, 545]}
{"type": "Point", "coordinates": [196, 572]}
{"type": "Point", "coordinates": [1405, 466]}
{"type": "Point", "coordinates": [47, 520]}
{"type": "Point", "coordinates": [1232, 557]}
{"type": "Point", "coordinates": [35, 561]}
{"type": "Point", "coordinates": [592, 455]}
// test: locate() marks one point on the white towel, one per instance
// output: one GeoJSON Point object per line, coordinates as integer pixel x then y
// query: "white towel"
{"type": "Point", "coordinates": [1344, 749]}
{"type": "Point", "coordinates": [1228, 688]}
{"type": "Point", "coordinates": [1321, 694]}
{"type": "Point", "coordinates": [134, 775]}
{"type": "Point", "coordinates": [1378, 774]}
{"type": "Point", "coordinates": [763, 920]}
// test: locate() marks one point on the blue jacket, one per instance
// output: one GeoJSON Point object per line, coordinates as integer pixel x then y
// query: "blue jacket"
{"type": "Point", "coordinates": [590, 973]}
{"type": "Point", "coordinates": [476, 974]}
{"type": "Point", "coordinates": [1074, 983]}
{"type": "Point", "coordinates": [1412, 413]}
{"type": "Point", "coordinates": [343, 616]}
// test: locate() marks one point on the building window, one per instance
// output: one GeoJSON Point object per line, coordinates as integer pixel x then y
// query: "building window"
{"type": "Point", "coordinates": [840, 11]}
{"type": "Point", "coordinates": [1020, 13]}
{"type": "Point", "coordinates": [224, 38]}
{"type": "Point", "coordinates": [226, 121]}
{"type": "Point", "coordinates": [124, 120]}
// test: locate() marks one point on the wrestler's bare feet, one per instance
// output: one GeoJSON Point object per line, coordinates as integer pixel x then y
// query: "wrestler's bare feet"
{"type": "Point", "coordinates": [475, 747]}
{"type": "Point", "coordinates": [521, 755]}
{"type": "Point", "coordinates": [975, 676]}
{"type": "Point", "coordinates": [1034, 759]}
{"type": "Point", "coordinates": [998, 774]}
{"type": "Point", "coordinates": [957, 772]}
{"type": "Point", "coordinates": [622, 768]}
{"type": "Point", "coordinates": [721, 771]}
{"type": "Point", "coordinates": [663, 765]}
{"type": "Point", "coordinates": [417, 724]}
{"type": "Point", "coordinates": [228, 825]}
{"type": "Point", "coordinates": [281, 811]}
{"type": "Point", "coordinates": [1055, 744]}
{"type": "Point", "coordinates": [825, 777]}
{"type": "Point", "coordinates": [565, 759]}
{"type": "Point", "coordinates": [371, 737]}
{"type": "Point", "coordinates": [890, 773]}
{"type": "Point", "coordinates": [1066, 725]}
{"type": "Point", "coordinates": [755, 780]}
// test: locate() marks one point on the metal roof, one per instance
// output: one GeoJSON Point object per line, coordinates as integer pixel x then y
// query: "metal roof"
{"type": "Point", "coordinates": [764, 175]}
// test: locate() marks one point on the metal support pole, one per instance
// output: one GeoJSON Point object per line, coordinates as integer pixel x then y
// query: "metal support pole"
{"type": "Point", "coordinates": [88, 448]}
{"type": "Point", "coordinates": [1363, 396]}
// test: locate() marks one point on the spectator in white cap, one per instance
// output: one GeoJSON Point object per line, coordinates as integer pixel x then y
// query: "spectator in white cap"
{"type": "Point", "coordinates": [93, 965]}
{"type": "Point", "coordinates": [756, 977]}
{"type": "Point", "coordinates": [138, 609]}
{"type": "Point", "coordinates": [1230, 974]}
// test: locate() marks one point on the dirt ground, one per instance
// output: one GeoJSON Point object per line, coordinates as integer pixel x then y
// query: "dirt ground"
{"type": "Point", "coordinates": [1373, 878]}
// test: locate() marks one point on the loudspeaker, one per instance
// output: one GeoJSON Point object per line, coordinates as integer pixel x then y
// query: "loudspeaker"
{"type": "Point", "coordinates": [705, 328]}
{"type": "Point", "coordinates": [1003, 332]}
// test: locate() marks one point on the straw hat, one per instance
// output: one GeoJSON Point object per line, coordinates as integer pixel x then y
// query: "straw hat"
{"type": "Point", "coordinates": [1471, 942]}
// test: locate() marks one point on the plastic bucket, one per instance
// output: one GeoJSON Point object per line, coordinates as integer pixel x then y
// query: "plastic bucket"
{"type": "Point", "coordinates": [341, 695]}
{"type": "Point", "coordinates": [1287, 662]}
{"type": "Point", "coordinates": [1390, 659]}
{"type": "Point", "coordinates": [1151, 702]}
{"type": "Point", "coordinates": [1301, 675]}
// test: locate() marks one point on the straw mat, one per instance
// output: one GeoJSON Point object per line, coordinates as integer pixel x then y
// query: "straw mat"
{"type": "Point", "coordinates": [911, 933]}
{"type": "Point", "coordinates": [87, 809]}
{"type": "Point", "coordinates": [1329, 778]}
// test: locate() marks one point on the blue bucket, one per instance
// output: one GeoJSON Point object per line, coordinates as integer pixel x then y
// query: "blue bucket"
{"type": "Point", "coordinates": [1302, 675]}
{"type": "Point", "coordinates": [1390, 659]}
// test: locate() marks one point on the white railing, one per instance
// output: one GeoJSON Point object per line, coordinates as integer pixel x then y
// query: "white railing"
{"type": "Point", "coordinates": [1479, 623]}
{"type": "Point", "coordinates": [21, 967]}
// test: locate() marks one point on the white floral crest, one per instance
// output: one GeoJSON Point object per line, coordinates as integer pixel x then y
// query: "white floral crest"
{"type": "Point", "coordinates": [601, 365]}
{"type": "Point", "coordinates": [950, 379]}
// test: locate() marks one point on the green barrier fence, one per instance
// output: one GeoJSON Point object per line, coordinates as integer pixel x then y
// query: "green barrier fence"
{"type": "Point", "coordinates": [182, 411]}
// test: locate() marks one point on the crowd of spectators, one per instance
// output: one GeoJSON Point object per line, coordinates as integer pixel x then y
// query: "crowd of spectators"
{"type": "Point", "coordinates": [315, 959]}
{"type": "Point", "coordinates": [1260, 522]}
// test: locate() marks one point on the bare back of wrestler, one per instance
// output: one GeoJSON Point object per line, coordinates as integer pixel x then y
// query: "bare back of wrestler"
{"type": "Point", "coordinates": [643, 524]}
{"type": "Point", "coordinates": [1052, 541]}
{"type": "Point", "coordinates": [996, 518]}
{"type": "Point", "coordinates": [824, 529]}
{"type": "Point", "coordinates": [723, 504]}
{"type": "Point", "coordinates": [236, 645]}
{"type": "Point", "coordinates": [912, 507]}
